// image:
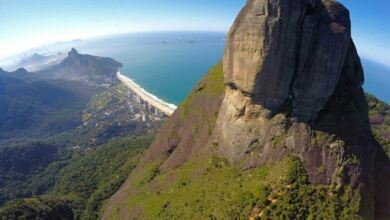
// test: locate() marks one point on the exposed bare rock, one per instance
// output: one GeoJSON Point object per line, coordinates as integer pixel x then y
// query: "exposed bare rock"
{"type": "Point", "coordinates": [281, 50]}
{"type": "Point", "coordinates": [293, 86]}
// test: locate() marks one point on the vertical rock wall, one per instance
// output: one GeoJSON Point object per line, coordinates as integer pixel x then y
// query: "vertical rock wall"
{"type": "Point", "coordinates": [294, 86]}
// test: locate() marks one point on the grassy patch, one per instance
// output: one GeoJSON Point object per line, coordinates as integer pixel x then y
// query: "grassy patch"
{"type": "Point", "coordinates": [214, 189]}
{"type": "Point", "coordinates": [203, 189]}
{"type": "Point", "coordinates": [211, 85]}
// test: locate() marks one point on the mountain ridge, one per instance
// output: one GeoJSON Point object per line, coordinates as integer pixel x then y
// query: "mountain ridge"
{"type": "Point", "coordinates": [82, 67]}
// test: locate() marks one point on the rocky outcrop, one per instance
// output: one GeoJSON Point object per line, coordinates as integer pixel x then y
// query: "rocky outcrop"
{"type": "Point", "coordinates": [281, 55]}
{"type": "Point", "coordinates": [86, 68]}
{"type": "Point", "coordinates": [293, 86]}
{"type": "Point", "coordinates": [288, 50]}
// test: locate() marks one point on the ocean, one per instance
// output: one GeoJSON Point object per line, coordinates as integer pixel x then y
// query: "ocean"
{"type": "Point", "coordinates": [377, 79]}
{"type": "Point", "coordinates": [166, 64]}
{"type": "Point", "coordinates": [169, 64]}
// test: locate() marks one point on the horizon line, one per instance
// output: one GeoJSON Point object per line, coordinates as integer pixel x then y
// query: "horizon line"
{"type": "Point", "coordinates": [21, 52]}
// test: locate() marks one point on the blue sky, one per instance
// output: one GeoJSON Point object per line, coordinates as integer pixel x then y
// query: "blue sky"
{"type": "Point", "coordinates": [30, 23]}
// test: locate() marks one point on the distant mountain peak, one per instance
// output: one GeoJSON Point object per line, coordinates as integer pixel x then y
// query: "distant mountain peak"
{"type": "Point", "coordinates": [83, 67]}
{"type": "Point", "coordinates": [21, 71]}
{"type": "Point", "coordinates": [73, 52]}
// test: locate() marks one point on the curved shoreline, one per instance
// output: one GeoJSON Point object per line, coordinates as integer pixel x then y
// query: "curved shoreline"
{"type": "Point", "coordinates": [153, 100]}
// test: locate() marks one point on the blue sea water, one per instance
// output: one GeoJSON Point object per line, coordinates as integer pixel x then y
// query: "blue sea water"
{"type": "Point", "coordinates": [169, 64]}
{"type": "Point", "coordinates": [166, 64]}
{"type": "Point", "coordinates": [377, 79]}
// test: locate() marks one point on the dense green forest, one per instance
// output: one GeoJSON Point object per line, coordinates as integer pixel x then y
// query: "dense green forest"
{"type": "Point", "coordinates": [65, 147]}
{"type": "Point", "coordinates": [37, 108]}
{"type": "Point", "coordinates": [42, 128]}
{"type": "Point", "coordinates": [83, 183]}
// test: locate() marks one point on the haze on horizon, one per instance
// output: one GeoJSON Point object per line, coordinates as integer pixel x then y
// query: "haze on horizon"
{"type": "Point", "coordinates": [27, 24]}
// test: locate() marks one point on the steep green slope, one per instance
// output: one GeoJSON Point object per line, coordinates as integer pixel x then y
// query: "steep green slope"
{"type": "Point", "coordinates": [211, 188]}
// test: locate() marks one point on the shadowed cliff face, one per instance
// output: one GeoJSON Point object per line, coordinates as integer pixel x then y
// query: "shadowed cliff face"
{"type": "Point", "coordinates": [293, 86]}
{"type": "Point", "coordinates": [288, 50]}
{"type": "Point", "coordinates": [282, 57]}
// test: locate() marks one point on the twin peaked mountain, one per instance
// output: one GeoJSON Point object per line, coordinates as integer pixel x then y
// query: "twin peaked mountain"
{"type": "Point", "coordinates": [288, 96]}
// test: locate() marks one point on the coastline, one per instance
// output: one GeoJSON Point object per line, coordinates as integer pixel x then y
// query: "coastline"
{"type": "Point", "coordinates": [153, 100]}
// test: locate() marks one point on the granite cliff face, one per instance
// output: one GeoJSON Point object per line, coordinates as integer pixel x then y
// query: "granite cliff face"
{"type": "Point", "coordinates": [281, 51]}
{"type": "Point", "coordinates": [282, 57]}
{"type": "Point", "coordinates": [292, 85]}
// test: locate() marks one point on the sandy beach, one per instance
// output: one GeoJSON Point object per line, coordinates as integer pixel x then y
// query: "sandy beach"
{"type": "Point", "coordinates": [151, 99]}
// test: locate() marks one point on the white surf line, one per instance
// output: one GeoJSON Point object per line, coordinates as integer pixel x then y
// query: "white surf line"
{"type": "Point", "coordinates": [146, 96]}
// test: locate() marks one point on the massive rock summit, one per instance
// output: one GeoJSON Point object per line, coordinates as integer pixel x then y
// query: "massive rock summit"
{"type": "Point", "coordinates": [292, 74]}
{"type": "Point", "coordinates": [288, 50]}
{"type": "Point", "coordinates": [283, 56]}
{"type": "Point", "coordinates": [291, 85]}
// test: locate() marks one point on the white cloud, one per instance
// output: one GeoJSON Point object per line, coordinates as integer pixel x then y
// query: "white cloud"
{"type": "Point", "coordinates": [20, 44]}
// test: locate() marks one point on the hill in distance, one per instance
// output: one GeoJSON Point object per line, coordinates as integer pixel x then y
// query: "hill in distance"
{"type": "Point", "coordinates": [87, 68]}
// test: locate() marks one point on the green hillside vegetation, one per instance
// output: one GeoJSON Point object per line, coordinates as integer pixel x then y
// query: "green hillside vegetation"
{"type": "Point", "coordinates": [211, 85]}
{"type": "Point", "coordinates": [19, 164]}
{"type": "Point", "coordinates": [29, 163]}
{"type": "Point", "coordinates": [37, 108]}
{"type": "Point", "coordinates": [84, 183]}
{"type": "Point", "coordinates": [92, 178]}
{"type": "Point", "coordinates": [37, 208]}
{"type": "Point", "coordinates": [380, 121]}
{"type": "Point", "coordinates": [214, 189]}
